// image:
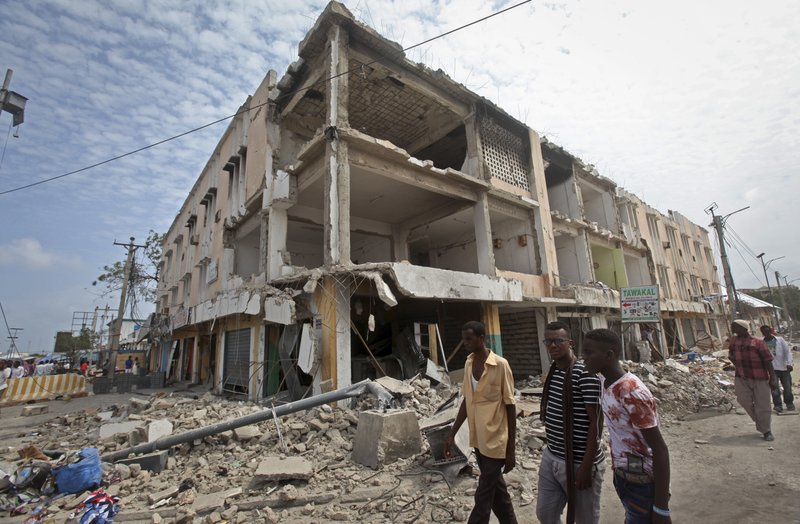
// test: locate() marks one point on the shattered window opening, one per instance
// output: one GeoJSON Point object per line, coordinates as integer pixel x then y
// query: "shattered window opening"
{"type": "Point", "coordinates": [505, 153]}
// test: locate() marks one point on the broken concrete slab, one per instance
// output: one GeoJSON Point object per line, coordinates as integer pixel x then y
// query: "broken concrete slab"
{"type": "Point", "coordinates": [212, 501]}
{"type": "Point", "coordinates": [384, 437]}
{"type": "Point", "coordinates": [677, 365]}
{"type": "Point", "coordinates": [289, 468]}
{"type": "Point", "coordinates": [158, 428]}
{"type": "Point", "coordinates": [395, 387]}
{"type": "Point", "coordinates": [35, 409]}
{"type": "Point", "coordinates": [112, 428]}
{"type": "Point", "coordinates": [137, 405]}
{"type": "Point", "coordinates": [154, 462]}
{"type": "Point", "coordinates": [152, 498]}
{"type": "Point", "coordinates": [245, 433]}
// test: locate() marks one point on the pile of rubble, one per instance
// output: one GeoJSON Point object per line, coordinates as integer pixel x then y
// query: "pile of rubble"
{"type": "Point", "coordinates": [302, 467]}
{"type": "Point", "coordinates": [688, 387]}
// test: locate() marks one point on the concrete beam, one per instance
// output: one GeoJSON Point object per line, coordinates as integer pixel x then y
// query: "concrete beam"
{"type": "Point", "coordinates": [427, 282]}
{"type": "Point", "coordinates": [548, 260]}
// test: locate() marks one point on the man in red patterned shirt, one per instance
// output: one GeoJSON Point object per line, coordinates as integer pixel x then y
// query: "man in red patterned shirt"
{"type": "Point", "coordinates": [639, 455]}
{"type": "Point", "coordinates": [755, 378]}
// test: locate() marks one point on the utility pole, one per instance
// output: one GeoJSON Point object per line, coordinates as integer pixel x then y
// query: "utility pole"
{"type": "Point", "coordinates": [769, 288]}
{"type": "Point", "coordinates": [719, 224]}
{"type": "Point", "coordinates": [112, 358]}
{"type": "Point", "coordinates": [11, 102]}
{"type": "Point", "coordinates": [783, 299]}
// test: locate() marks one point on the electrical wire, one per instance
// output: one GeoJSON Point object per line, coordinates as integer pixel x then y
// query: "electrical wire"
{"type": "Point", "coordinates": [251, 108]}
{"type": "Point", "coordinates": [744, 260]}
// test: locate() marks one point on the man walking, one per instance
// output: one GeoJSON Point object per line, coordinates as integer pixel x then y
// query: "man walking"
{"type": "Point", "coordinates": [755, 377]}
{"type": "Point", "coordinates": [571, 413]}
{"type": "Point", "coordinates": [488, 406]}
{"type": "Point", "coordinates": [639, 455]}
{"type": "Point", "coordinates": [782, 364]}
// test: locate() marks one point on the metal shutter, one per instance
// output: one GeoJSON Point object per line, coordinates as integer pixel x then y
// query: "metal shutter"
{"type": "Point", "coordinates": [236, 366]}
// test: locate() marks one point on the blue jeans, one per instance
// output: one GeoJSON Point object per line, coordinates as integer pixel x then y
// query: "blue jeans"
{"type": "Point", "coordinates": [785, 380]}
{"type": "Point", "coordinates": [637, 499]}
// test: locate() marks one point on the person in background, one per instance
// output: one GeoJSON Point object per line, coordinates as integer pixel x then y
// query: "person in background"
{"type": "Point", "coordinates": [491, 413]}
{"type": "Point", "coordinates": [129, 365]}
{"type": "Point", "coordinates": [5, 374]}
{"type": "Point", "coordinates": [17, 371]}
{"type": "Point", "coordinates": [782, 364]}
{"type": "Point", "coordinates": [639, 455]}
{"type": "Point", "coordinates": [755, 378]}
{"type": "Point", "coordinates": [84, 367]}
{"type": "Point", "coordinates": [135, 369]}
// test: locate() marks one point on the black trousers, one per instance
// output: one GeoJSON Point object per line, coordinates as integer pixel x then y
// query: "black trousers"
{"type": "Point", "coordinates": [492, 493]}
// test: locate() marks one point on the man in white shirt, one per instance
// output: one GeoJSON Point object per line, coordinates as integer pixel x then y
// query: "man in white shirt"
{"type": "Point", "coordinates": [782, 363]}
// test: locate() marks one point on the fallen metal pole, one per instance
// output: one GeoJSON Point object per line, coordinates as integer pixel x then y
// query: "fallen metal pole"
{"type": "Point", "coordinates": [355, 390]}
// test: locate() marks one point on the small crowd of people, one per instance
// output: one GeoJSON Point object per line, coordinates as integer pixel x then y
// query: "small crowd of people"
{"type": "Point", "coordinates": [580, 397]}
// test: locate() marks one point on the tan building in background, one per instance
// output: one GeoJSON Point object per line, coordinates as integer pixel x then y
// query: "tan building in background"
{"type": "Point", "coordinates": [363, 207]}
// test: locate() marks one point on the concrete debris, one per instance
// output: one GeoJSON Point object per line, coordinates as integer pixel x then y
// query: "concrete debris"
{"type": "Point", "coordinates": [246, 433]}
{"type": "Point", "coordinates": [157, 429]}
{"type": "Point", "coordinates": [283, 468]}
{"type": "Point", "coordinates": [341, 464]}
{"type": "Point", "coordinates": [36, 409]}
{"type": "Point", "coordinates": [384, 437]}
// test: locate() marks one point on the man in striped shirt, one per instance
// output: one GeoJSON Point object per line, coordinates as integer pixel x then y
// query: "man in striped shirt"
{"type": "Point", "coordinates": [571, 413]}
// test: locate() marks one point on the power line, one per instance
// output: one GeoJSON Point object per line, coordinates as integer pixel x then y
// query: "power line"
{"type": "Point", "coordinates": [283, 95]}
{"type": "Point", "coordinates": [745, 262]}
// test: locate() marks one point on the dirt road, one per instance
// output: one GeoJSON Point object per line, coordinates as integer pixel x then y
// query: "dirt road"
{"type": "Point", "coordinates": [735, 478]}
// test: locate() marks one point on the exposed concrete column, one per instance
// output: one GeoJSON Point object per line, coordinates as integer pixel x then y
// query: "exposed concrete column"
{"type": "Point", "coordinates": [196, 360]}
{"type": "Point", "coordinates": [337, 167]}
{"type": "Point", "coordinates": [543, 223]}
{"type": "Point", "coordinates": [271, 150]}
{"type": "Point", "coordinates": [483, 236]}
{"type": "Point", "coordinates": [585, 261]}
{"type": "Point", "coordinates": [473, 163]}
{"type": "Point", "coordinates": [491, 319]}
{"type": "Point", "coordinates": [400, 243]}
{"type": "Point", "coordinates": [256, 369]}
{"type": "Point", "coordinates": [277, 231]}
{"type": "Point", "coordinates": [332, 301]}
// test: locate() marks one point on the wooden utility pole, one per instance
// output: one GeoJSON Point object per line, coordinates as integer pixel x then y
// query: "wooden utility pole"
{"type": "Point", "coordinates": [123, 295]}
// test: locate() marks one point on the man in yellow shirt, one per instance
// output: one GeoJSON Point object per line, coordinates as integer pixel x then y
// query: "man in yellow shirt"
{"type": "Point", "coordinates": [489, 408]}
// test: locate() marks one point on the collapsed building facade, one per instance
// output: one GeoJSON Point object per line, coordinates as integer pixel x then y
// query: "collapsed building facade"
{"type": "Point", "coordinates": [358, 210]}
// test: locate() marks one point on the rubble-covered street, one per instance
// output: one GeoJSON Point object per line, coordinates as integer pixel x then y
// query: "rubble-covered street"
{"type": "Point", "coordinates": [301, 468]}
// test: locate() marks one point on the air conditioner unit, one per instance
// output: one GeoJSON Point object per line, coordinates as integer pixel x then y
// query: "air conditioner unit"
{"type": "Point", "coordinates": [194, 239]}
{"type": "Point", "coordinates": [666, 244]}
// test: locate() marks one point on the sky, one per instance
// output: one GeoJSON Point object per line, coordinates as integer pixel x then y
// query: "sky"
{"type": "Point", "coordinates": [684, 103]}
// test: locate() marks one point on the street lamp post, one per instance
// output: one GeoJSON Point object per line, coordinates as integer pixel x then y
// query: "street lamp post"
{"type": "Point", "coordinates": [765, 265]}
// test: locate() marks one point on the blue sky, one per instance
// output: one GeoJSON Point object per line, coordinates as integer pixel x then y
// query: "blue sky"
{"type": "Point", "coordinates": [682, 102]}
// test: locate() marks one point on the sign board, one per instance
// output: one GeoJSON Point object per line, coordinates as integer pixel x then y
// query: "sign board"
{"type": "Point", "coordinates": [639, 304]}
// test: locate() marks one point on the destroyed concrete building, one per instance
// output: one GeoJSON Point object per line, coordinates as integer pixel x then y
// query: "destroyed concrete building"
{"type": "Point", "coordinates": [358, 210]}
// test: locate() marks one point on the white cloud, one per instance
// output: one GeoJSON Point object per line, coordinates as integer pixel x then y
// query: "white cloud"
{"type": "Point", "coordinates": [29, 253]}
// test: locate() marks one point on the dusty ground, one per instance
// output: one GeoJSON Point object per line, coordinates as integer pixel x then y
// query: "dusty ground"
{"type": "Point", "coordinates": [734, 477]}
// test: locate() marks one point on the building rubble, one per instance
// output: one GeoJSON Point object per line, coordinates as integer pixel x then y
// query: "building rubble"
{"type": "Point", "coordinates": [300, 468]}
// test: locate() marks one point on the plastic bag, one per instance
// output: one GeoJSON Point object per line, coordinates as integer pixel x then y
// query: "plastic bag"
{"type": "Point", "coordinates": [86, 474]}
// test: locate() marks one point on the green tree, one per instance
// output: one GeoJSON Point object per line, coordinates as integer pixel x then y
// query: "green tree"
{"type": "Point", "coordinates": [144, 274]}
{"type": "Point", "coordinates": [72, 345]}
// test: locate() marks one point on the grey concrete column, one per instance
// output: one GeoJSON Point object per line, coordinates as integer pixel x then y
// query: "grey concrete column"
{"type": "Point", "coordinates": [483, 236]}
{"type": "Point", "coordinates": [337, 167]}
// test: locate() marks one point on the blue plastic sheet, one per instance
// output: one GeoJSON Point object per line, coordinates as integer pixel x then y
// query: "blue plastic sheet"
{"type": "Point", "coordinates": [86, 474]}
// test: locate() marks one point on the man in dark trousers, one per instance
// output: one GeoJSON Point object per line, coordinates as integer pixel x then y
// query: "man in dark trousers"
{"type": "Point", "coordinates": [755, 377]}
{"type": "Point", "coordinates": [490, 410]}
{"type": "Point", "coordinates": [571, 414]}
{"type": "Point", "coordinates": [782, 363]}
{"type": "Point", "coordinates": [639, 455]}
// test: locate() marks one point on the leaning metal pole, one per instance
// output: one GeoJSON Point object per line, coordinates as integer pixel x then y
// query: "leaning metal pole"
{"type": "Point", "coordinates": [355, 390]}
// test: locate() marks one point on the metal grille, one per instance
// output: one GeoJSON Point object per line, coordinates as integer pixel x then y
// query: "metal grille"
{"type": "Point", "coordinates": [236, 366]}
{"type": "Point", "coordinates": [385, 108]}
{"type": "Point", "coordinates": [506, 153]}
